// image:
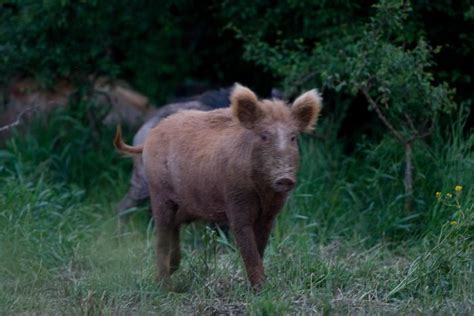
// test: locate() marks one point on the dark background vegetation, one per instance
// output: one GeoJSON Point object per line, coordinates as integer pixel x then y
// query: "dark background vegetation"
{"type": "Point", "coordinates": [62, 179]}
{"type": "Point", "coordinates": [158, 45]}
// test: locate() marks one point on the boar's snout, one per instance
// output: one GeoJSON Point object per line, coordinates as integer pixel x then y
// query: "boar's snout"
{"type": "Point", "coordinates": [284, 184]}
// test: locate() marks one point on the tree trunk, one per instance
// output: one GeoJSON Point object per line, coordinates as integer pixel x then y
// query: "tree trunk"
{"type": "Point", "coordinates": [408, 181]}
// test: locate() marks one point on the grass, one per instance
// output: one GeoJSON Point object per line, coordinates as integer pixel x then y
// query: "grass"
{"type": "Point", "coordinates": [343, 245]}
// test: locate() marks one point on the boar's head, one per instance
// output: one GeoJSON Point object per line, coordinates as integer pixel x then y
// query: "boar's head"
{"type": "Point", "coordinates": [271, 129]}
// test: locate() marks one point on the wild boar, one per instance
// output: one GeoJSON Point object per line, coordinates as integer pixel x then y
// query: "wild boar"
{"type": "Point", "coordinates": [235, 166]}
{"type": "Point", "coordinates": [207, 101]}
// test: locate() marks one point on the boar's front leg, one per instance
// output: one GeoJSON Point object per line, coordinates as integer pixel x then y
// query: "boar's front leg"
{"type": "Point", "coordinates": [245, 239]}
{"type": "Point", "coordinates": [262, 230]}
{"type": "Point", "coordinates": [242, 228]}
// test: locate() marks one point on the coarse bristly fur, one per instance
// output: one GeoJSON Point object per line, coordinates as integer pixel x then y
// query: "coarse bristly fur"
{"type": "Point", "coordinates": [235, 165]}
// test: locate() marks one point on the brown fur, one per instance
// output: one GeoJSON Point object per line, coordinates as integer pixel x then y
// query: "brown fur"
{"type": "Point", "coordinates": [234, 165]}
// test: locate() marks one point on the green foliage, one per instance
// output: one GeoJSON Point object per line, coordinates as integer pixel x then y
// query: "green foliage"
{"type": "Point", "coordinates": [65, 145]}
{"type": "Point", "coordinates": [373, 56]}
{"type": "Point", "coordinates": [295, 39]}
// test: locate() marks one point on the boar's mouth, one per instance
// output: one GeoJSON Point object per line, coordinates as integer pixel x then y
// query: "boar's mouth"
{"type": "Point", "coordinates": [284, 184]}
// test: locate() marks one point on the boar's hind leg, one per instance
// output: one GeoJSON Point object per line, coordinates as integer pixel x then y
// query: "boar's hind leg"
{"type": "Point", "coordinates": [164, 212]}
{"type": "Point", "coordinates": [175, 252]}
{"type": "Point", "coordinates": [164, 236]}
{"type": "Point", "coordinates": [136, 195]}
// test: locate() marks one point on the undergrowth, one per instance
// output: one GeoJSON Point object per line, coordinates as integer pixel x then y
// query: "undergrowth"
{"type": "Point", "coordinates": [344, 243]}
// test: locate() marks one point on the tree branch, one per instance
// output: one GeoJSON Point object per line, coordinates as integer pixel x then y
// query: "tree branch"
{"type": "Point", "coordinates": [382, 117]}
{"type": "Point", "coordinates": [17, 121]}
{"type": "Point", "coordinates": [425, 134]}
{"type": "Point", "coordinates": [298, 83]}
{"type": "Point", "coordinates": [410, 122]}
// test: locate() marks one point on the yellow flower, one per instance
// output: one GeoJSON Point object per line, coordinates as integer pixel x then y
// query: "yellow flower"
{"type": "Point", "coordinates": [438, 195]}
{"type": "Point", "coordinates": [453, 222]}
{"type": "Point", "coordinates": [449, 195]}
{"type": "Point", "coordinates": [458, 188]}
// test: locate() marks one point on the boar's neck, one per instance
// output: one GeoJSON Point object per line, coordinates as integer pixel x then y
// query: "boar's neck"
{"type": "Point", "coordinates": [272, 202]}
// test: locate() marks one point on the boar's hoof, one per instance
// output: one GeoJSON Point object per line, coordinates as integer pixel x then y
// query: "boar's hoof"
{"type": "Point", "coordinates": [165, 283]}
{"type": "Point", "coordinates": [258, 285]}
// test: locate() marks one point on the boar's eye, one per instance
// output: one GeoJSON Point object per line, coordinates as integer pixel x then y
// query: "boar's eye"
{"type": "Point", "coordinates": [293, 138]}
{"type": "Point", "coordinates": [265, 136]}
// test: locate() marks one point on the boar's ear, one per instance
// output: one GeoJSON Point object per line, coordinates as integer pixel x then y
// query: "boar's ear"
{"type": "Point", "coordinates": [244, 105]}
{"type": "Point", "coordinates": [305, 110]}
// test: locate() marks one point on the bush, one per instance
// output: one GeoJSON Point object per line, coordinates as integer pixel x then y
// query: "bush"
{"type": "Point", "coordinates": [372, 60]}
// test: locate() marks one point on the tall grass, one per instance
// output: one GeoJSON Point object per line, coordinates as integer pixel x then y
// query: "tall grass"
{"type": "Point", "coordinates": [344, 243]}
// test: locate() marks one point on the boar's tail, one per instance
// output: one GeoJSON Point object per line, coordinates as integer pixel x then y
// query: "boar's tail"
{"type": "Point", "coordinates": [124, 148]}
